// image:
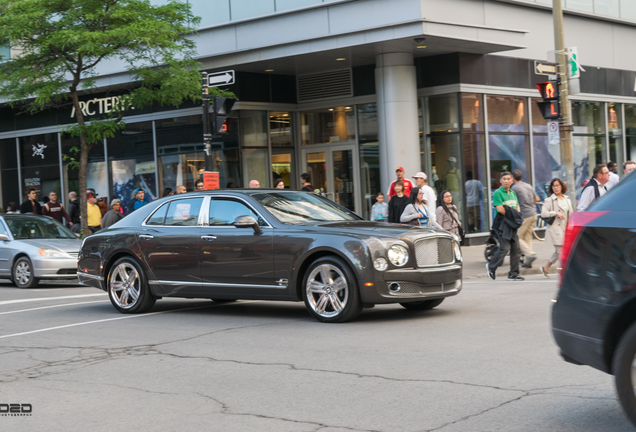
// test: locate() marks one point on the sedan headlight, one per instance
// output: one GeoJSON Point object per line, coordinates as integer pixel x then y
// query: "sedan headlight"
{"type": "Point", "coordinates": [53, 253]}
{"type": "Point", "coordinates": [380, 264]}
{"type": "Point", "coordinates": [398, 255]}
{"type": "Point", "coordinates": [458, 251]}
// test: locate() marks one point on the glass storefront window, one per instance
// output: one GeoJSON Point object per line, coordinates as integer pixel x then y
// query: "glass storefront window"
{"type": "Point", "coordinates": [327, 125]}
{"type": "Point", "coordinates": [280, 129]}
{"type": "Point", "coordinates": [253, 127]}
{"type": "Point", "coordinates": [40, 160]}
{"type": "Point", "coordinates": [369, 155]}
{"type": "Point", "coordinates": [615, 129]}
{"type": "Point", "coordinates": [282, 166]}
{"type": "Point", "coordinates": [472, 112]}
{"type": "Point", "coordinates": [507, 153]}
{"type": "Point", "coordinates": [588, 118]}
{"type": "Point", "coordinates": [9, 165]}
{"type": "Point", "coordinates": [587, 152]}
{"type": "Point", "coordinates": [476, 184]}
{"type": "Point", "coordinates": [547, 165]}
{"type": "Point", "coordinates": [443, 113]}
{"type": "Point", "coordinates": [446, 169]}
{"type": "Point", "coordinates": [631, 149]}
{"type": "Point", "coordinates": [539, 124]}
{"type": "Point", "coordinates": [95, 171]}
{"type": "Point", "coordinates": [255, 167]}
{"type": "Point", "coordinates": [507, 114]}
{"type": "Point", "coordinates": [630, 119]}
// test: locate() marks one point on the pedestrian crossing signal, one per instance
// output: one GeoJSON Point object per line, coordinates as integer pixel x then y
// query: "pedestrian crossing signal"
{"type": "Point", "coordinates": [550, 107]}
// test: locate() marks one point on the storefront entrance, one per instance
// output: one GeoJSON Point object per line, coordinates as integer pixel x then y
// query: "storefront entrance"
{"type": "Point", "coordinates": [334, 169]}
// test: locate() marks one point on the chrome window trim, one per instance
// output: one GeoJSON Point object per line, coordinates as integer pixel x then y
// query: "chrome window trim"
{"type": "Point", "coordinates": [144, 223]}
{"type": "Point", "coordinates": [214, 284]}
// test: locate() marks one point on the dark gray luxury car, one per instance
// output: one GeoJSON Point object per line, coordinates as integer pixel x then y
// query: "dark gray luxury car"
{"type": "Point", "coordinates": [269, 245]}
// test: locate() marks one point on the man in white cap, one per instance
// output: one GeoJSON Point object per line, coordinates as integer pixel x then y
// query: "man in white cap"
{"type": "Point", "coordinates": [429, 194]}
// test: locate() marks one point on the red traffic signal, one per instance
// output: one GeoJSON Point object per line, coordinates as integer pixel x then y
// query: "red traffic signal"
{"type": "Point", "coordinates": [548, 90]}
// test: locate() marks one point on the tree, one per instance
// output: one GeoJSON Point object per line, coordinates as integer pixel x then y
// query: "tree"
{"type": "Point", "coordinates": [59, 46]}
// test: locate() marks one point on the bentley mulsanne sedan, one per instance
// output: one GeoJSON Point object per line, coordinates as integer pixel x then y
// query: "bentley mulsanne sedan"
{"type": "Point", "coordinates": [259, 244]}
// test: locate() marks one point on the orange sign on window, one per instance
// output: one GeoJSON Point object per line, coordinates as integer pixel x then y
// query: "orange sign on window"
{"type": "Point", "coordinates": [211, 180]}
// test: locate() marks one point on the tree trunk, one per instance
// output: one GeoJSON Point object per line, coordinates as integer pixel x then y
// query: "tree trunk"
{"type": "Point", "coordinates": [84, 148]}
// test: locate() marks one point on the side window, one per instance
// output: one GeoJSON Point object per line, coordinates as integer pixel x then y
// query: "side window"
{"type": "Point", "coordinates": [223, 212]}
{"type": "Point", "coordinates": [183, 212]}
{"type": "Point", "coordinates": [2, 230]}
{"type": "Point", "coordinates": [158, 217]}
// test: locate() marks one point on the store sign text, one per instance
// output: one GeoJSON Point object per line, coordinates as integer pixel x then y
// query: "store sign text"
{"type": "Point", "coordinates": [98, 106]}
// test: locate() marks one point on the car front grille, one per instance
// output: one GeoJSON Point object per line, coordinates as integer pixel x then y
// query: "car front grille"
{"type": "Point", "coordinates": [434, 251]}
{"type": "Point", "coordinates": [414, 288]}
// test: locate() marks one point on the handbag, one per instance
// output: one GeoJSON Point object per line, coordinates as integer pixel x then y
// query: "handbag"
{"type": "Point", "coordinates": [460, 230]}
{"type": "Point", "coordinates": [549, 220]}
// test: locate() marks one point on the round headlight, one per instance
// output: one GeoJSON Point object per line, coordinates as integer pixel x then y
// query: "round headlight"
{"type": "Point", "coordinates": [398, 255]}
{"type": "Point", "coordinates": [380, 264]}
{"type": "Point", "coordinates": [458, 252]}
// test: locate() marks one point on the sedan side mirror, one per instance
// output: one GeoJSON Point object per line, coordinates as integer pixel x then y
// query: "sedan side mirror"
{"type": "Point", "coordinates": [4, 237]}
{"type": "Point", "coordinates": [247, 222]}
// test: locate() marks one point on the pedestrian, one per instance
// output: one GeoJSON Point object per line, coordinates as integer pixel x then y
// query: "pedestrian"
{"type": "Point", "coordinates": [528, 200]}
{"type": "Point", "coordinates": [379, 210]}
{"type": "Point", "coordinates": [255, 184]}
{"type": "Point", "coordinates": [198, 185]}
{"type": "Point", "coordinates": [31, 205]}
{"type": "Point", "coordinates": [474, 197]}
{"type": "Point", "coordinates": [613, 175]}
{"type": "Point", "coordinates": [628, 167]}
{"type": "Point", "coordinates": [398, 203]}
{"type": "Point", "coordinates": [74, 211]}
{"type": "Point", "coordinates": [181, 189]}
{"type": "Point", "coordinates": [595, 188]}
{"type": "Point", "coordinates": [113, 215]}
{"type": "Point", "coordinates": [138, 200]}
{"type": "Point", "coordinates": [557, 207]}
{"type": "Point", "coordinates": [429, 194]}
{"type": "Point", "coordinates": [305, 180]}
{"type": "Point", "coordinates": [447, 215]}
{"type": "Point", "coordinates": [407, 185]}
{"type": "Point", "coordinates": [56, 210]}
{"type": "Point", "coordinates": [279, 183]}
{"type": "Point", "coordinates": [94, 216]}
{"type": "Point", "coordinates": [12, 208]}
{"type": "Point", "coordinates": [166, 192]}
{"type": "Point", "coordinates": [505, 226]}
{"type": "Point", "coordinates": [416, 211]}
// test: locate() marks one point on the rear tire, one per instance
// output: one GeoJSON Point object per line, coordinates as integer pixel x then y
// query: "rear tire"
{"type": "Point", "coordinates": [422, 305]}
{"type": "Point", "coordinates": [624, 369]}
{"type": "Point", "coordinates": [128, 287]}
{"type": "Point", "coordinates": [22, 274]}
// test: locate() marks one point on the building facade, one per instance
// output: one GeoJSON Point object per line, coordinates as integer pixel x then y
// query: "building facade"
{"type": "Point", "coordinates": [348, 90]}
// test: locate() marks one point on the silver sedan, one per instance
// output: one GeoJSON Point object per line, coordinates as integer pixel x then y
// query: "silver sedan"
{"type": "Point", "coordinates": [36, 247]}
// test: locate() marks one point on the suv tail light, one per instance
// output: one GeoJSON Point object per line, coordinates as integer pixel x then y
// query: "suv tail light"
{"type": "Point", "coordinates": [576, 223]}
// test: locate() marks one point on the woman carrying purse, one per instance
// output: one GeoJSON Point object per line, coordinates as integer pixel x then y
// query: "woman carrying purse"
{"type": "Point", "coordinates": [416, 213]}
{"type": "Point", "coordinates": [447, 214]}
{"type": "Point", "coordinates": [558, 207]}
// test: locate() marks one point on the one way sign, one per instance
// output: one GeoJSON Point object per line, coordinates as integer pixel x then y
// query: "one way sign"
{"type": "Point", "coordinates": [224, 78]}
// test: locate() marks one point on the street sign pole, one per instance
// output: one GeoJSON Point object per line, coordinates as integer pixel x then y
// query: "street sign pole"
{"type": "Point", "coordinates": [567, 161]}
{"type": "Point", "coordinates": [207, 136]}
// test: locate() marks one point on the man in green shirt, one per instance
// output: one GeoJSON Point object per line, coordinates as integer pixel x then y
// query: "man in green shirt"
{"type": "Point", "coordinates": [502, 198]}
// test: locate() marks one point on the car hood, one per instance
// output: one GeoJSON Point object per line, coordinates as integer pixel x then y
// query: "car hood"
{"type": "Point", "coordinates": [66, 245]}
{"type": "Point", "coordinates": [379, 229]}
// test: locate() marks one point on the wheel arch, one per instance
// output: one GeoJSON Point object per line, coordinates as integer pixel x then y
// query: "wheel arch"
{"type": "Point", "coordinates": [15, 259]}
{"type": "Point", "coordinates": [313, 256]}
{"type": "Point", "coordinates": [617, 328]}
{"type": "Point", "coordinates": [121, 254]}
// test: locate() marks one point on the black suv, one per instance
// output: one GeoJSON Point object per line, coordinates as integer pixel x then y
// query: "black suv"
{"type": "Point", "coordinates": [594, 314]}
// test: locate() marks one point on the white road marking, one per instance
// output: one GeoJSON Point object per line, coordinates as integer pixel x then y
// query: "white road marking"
{"type": "Point", "coordinates": [6, 302]}
{"type": "Point", "coordinates": [56, 306]}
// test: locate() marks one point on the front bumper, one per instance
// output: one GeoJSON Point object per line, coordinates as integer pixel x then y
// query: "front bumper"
{"type": "Point", "coordinates": [54, 268]}
{"type": "Point", "coordinates": [406, 285]}
{"type": "Point", "coordinates": [91, 280]}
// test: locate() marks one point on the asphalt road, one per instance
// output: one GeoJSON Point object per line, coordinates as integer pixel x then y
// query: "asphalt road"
{"type": "Point", "coordinates": [483, 361]}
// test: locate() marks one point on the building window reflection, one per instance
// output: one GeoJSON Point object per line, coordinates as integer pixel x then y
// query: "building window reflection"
{"type": "Point", "coordinates": [588, 141]}
{"type": "Point", "coordinates": [327, 125]}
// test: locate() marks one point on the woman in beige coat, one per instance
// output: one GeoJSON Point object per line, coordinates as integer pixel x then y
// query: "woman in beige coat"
{"type": "Point", "coordinates": [557, 205]}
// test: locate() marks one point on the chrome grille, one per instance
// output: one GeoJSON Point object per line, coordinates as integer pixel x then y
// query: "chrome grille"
{"type": "Point", "coordinates": [413, 288]}
{"type": "Point", "coordinates": [434, 251]}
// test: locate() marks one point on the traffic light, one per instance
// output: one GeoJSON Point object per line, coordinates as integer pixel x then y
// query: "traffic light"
{"type": "Point", "coordinates": [222, 107]}
{"type": "Point", "coordinates": [549, 107]}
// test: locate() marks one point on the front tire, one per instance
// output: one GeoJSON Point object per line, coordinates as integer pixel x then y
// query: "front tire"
{"type": "Point", "coordinates": [624, 369]}
{"type": "Point", "coordinates": [422, 305]}
{"type": "Point", "coordinates": [22, 274]}
{"type": "Point", "coordinates": [330, 291]}
{"type": "Point", "coordinates": [128, 287]}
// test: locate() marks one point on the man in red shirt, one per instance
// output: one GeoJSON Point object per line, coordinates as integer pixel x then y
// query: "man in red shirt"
{"type": "Point", "coordinates": [399, 172]}
{"type": "Point", "coordinates": [55, 209]}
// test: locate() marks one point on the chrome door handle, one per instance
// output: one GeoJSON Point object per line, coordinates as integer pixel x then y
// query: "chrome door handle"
{"type": "Point", "coordinates": [146, 236]}
{"type": "Point", "coordinates": [208, 237]}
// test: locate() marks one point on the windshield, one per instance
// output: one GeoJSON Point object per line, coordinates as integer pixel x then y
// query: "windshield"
{"type": "Point", "coordinates": [303, 207]}
{"type": "Point", "coordinates": [37, 228]}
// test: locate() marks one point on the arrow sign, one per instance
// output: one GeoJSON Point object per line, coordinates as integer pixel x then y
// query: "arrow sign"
{"type": "Point", "coordinates": [216, 79]}
{"type": "Point", "coordinates": [545, 68]}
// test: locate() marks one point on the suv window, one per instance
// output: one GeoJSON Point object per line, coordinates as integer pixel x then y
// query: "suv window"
{"type": "Point", "coordinates": [224, 211]}
{"type": "Point", "coordinates": [183, 212]}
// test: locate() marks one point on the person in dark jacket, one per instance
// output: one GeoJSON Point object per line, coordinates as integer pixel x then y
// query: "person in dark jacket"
{"type": "Point", "coordinates": [397, 203]}
{"type": "Point", "coordinates": [113, 215]}
{"type": "Point", "coordinates": [506, 223]}
{"type": "Point", "coordinates": [74, 211]}
{"type": "Point", "coordinates": [31, 205]}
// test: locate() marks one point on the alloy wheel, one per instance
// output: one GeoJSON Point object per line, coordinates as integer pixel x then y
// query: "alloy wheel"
{"type": "Point", "coordinates": [327, 290]}
{"type": "Point", "coordinates": [125, 285]}
{"type": "Point", "coordinates": [22, 273]}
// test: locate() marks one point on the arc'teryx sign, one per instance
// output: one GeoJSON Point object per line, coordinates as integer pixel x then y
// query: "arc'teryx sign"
{"type": "Point", "coordinates": [98, 106]}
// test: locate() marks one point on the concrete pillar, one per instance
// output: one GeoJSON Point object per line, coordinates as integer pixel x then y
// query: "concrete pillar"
{"type": "Point", "coordinates": [398, 127]}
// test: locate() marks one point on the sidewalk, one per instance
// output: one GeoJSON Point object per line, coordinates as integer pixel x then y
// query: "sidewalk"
{"type": "Point", "coordinates": [475, 263]}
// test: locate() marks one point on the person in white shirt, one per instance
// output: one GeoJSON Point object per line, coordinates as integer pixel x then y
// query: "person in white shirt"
{"type": "Point", "coordinates": [613, 175]}
{"type": "Point", "coordinates": [595, 188]}
{"type": "Point", "coordinates": [429, 195]}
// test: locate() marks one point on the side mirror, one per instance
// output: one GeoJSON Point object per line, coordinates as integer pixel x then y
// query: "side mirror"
{"type": "Point", "coordinates": [247, 222]}
{"type": "Point", "coordinates": [4, 237]}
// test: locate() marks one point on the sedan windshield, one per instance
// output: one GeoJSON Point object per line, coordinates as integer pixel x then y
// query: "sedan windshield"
{"type": "Point", "coordinates": [303, 207]}
{"type": "Point", "coordinates": [37, 228]}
